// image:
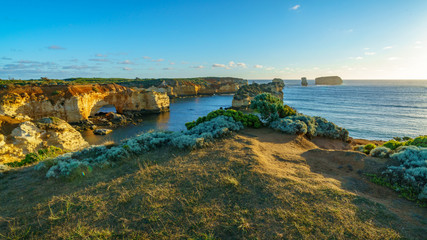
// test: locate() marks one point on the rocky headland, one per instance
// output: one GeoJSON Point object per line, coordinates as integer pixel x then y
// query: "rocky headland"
{"type": "Point", "coordinates": [243, 97]}
{"type": "Point", "coordinates": [331, 80]}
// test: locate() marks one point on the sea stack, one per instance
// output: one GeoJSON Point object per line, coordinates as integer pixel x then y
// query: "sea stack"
{"type": "Point", "coordinates": [331, 80]}
{"type": "Point", "coordinates": [304, 81]}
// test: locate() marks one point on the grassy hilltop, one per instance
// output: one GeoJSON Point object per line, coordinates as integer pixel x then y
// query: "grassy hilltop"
{"type": "Point", "coordinates": [258, 184]}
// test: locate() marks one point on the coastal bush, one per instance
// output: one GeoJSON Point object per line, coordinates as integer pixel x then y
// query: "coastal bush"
{"type": "Point", "coordinates": [270, 107]}
{"type": "Point", "coordinates": [359, 148]}
{"type": "Point", "coordinates": [420, 141]}
{"type": "Point", "coordinates": [248, 120]}
{"type": "Point", "coordinates": [38, 156]}
{"type": "Point", "coordinates": [381, 152]}
{"type": "Point", "coordinates": [310, 126]}
{"type": "Point", "coordinates": [368, 148]}
{"type": "Point", "coordinates": [392, 144]}
{"type": "Point", "coordinates": [412, 170]}
{"type": "Point", "coordinates": [199, 136]}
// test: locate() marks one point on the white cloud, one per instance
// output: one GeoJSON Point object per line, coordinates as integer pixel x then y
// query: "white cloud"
{"type": "Point", "coordinates": [418, 42]}
{"type": "Point", "coordinates": [356, 58]}
{"type": "Point", "coordinates": [388, 47]}
{"type": "Point", "coordinates": [258, 66]}
{"type": "Point", "coordinates": [126, 62]}
{"type": "Point", "coordinates": [198, 67]}
{"type": "Point", "coordinates": [55, 47]}
{"type": "Point", "coordinates": [231, 64]}
{"type": "Point", "coordinates": [100, 55]}
{"type": "Point", "coordinates": [296, 7]}
{"type": "Point", "coordinates": [146, 57]}
{"type": "Point", "coordinates": [370, 53]}
{"type": "Point", "coordinates": [243, 65]}
{"type": "Point", "coordinates": [172, 63]}
{"type": "Point", "coordinates": [215, 65]}
{"type": "Point", "coordinates": [127, 69]}
{"type": "Point", "coordinates": [158, 60]}
{"type": "Point", "coordinates": [269, 68]}
{"type": "Point", "coordinates": [366, 48]}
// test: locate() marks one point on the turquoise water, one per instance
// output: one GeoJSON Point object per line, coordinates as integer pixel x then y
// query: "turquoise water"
{"type": "Point", "coordinates": [368, 109]}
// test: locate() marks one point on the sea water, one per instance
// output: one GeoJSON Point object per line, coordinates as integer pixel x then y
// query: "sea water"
{"type": "Point", "coordinates": [369, 109]}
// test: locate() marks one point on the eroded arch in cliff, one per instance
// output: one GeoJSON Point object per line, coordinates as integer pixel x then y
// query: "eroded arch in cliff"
{"type": "Point", "coordinates": [104, 103]}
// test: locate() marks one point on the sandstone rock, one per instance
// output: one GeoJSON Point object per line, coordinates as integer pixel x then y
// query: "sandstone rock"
{"type": "Point", "coordinates": [102, 131]}
{"type": "Point", "coordinates": [58, 133]}
{"type": "Point", "coordinates": [331, 80]}
{"type": "Point", "coordinates": [242, 99]}
{"type": "Point", "coordinates": [304, 81]}
{"type": "Point", "coordinates": [116, 118]}
{"type": "Point", "coordinates": [29, 137]}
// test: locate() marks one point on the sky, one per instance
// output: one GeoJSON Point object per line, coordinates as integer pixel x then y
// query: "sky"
{"type": "Point", "coordinates": [251, 39]}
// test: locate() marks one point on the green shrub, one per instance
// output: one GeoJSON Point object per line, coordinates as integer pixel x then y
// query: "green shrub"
{"type": "Point", "coordinates": [248, 120]}
{"type": "Point", "coordinates": [38, 156]}
{"type": "Point", "coordinates": [270, 107]}
{"type": "Point", "coordinates": [420, 141]}
{"type": "Point", "coordinates": [368, 148]}
{"type": "Point", "coordinates": [392, 144]}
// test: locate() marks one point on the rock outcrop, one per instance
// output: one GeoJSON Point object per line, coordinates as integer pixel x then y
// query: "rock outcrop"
{"type": "Point", "coordinates": [304, 82]}
{"type": "Point", "coordinates": [31, 136]}
{"type": "Point", "coordinates": [331, 80]}
{"type": "Point", "coordinates": [191, 87]}
{"type": "Point", "coordinates": [77, 102]}
{"type": "Point", "coordinates": [242, 99]}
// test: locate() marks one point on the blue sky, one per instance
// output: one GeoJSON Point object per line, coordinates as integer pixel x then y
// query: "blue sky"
{"type": "Point", "coordinates": [355, 39]}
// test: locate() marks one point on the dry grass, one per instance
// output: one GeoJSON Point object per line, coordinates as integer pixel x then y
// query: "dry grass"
{"type": "Point", "coordinates": [255, 185]}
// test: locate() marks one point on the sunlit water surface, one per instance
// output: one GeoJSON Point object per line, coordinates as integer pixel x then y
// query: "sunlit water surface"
{"type": "Point", "coordinates": [368, 109]}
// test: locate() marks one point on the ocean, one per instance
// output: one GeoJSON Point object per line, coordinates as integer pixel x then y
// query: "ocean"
{"type": "Point", "coordinates": [368, 109]}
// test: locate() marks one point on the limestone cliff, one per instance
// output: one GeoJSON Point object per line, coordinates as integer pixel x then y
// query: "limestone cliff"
{"type": "Point", "coordinates": [191, 87]}
{"type": "Point", "coordinates": [331, 80]}
{"type": "Point", "coordinates": [30, 136]}
{"type": "Point", "coordinates": [242, 99]}
{"type": "Point", "coordinates": [77, 102]}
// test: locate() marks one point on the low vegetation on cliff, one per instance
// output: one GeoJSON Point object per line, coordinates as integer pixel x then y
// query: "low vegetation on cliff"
{"type": "Point", "coordinates": [125, 81]}
{"type": "Point", "coordinates": [409, 175]}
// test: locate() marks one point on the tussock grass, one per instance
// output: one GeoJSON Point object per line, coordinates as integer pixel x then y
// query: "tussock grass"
{"type": "Point", "coordinates": [239, 188]}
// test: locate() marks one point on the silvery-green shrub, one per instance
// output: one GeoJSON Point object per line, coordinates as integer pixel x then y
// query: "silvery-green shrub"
{"type": "Point", "coordinates": [199, 136]}
{"type": "Point", "coordinates": [412, 170]}
{"type": "Point", "coordinates": [380, 152]}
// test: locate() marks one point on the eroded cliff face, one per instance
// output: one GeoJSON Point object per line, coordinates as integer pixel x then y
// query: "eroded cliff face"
{"type": "Point", "coordinates": [78, 102]}
{"type": "Point", "coordinates": [243, 97]}
{"type": "Point", "coordinates": [30, 136]}
{"type": "Point", "coordinates": [206, 86]}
